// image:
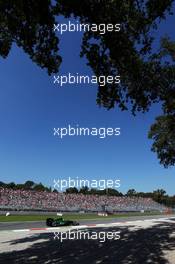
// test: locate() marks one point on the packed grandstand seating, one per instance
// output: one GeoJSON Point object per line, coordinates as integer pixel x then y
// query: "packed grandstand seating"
{"type": "Point", "coordinates": [51, 201]}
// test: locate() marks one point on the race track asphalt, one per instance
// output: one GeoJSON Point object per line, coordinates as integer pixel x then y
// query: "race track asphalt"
{"type": "Point", "coordinates": [41, 224]}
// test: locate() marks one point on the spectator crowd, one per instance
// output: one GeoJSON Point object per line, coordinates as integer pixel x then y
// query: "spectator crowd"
{"type": "Point", "coordinates": [51, 201]}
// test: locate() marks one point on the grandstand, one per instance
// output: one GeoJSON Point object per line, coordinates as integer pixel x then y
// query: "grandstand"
{"type": "Point", "coordinates": [50, 201]}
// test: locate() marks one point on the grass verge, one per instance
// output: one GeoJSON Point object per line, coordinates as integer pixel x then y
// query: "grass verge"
{"type": "Point", "coordinates": [78, 217]}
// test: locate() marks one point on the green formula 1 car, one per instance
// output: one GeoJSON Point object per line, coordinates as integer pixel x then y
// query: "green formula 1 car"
{"type": "Point", "coordinates": [60, 222]}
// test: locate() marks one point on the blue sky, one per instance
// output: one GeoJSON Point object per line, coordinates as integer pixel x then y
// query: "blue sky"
{"type": "Point", "coordinates": [31, 106]}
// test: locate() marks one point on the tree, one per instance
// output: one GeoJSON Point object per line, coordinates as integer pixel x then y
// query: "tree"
{"type": "Point", "coordinates": [29, 24]}
{"type": "Point", "coordinates": [19, 186]}
{"type": "Point", "coordinates": [84, 190]}
{"type": "Point", "coordinates": [11, 185]}
{"type": "Point", "coordinates": [131, 193]}
{"type": "Point", "coordinates": [72, 190]}
{"type": "Point", "coordinates": [115, 53]}
{"type": "Point", "coordinates": [39, 187]}
{"type": "Point", "coordinates": [163, 134]}
{"type": "Point", "coordinates": [2, 184]}
{"type": "Point", "coordinates": [93, 191]}
{"type": "Point", "coordinates": [29, 185]}
{"type": "Point", "coordinates": [159, 195]}
{"type": "Point", "coordinates": [55, 191]}
{"type": "Point", "coordinates": [112, 192]}
{"type": "Point", "coordinates": [147, 77]}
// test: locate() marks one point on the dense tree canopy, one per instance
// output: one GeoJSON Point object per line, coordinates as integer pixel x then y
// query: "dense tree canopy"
{"type": "Point", "coordinates": [147, 75]}
{"type": "Point", "coordinates": [29, 24]}
{"type": "Point", "coordinates": [163, 133]}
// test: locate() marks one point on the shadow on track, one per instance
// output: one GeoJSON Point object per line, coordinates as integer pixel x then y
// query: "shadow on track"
{"type": "Point", "coordinates": [137, 246]}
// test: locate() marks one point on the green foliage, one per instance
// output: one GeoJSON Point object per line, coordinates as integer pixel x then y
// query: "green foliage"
{"type": "Point", "coordinates": [39, 187]}
{"type": "Point", "coordinates": [28, 185]}
{"type": "Point", "coordinates": [29, 24]}
{"type": "Point", "coordinates": [55, 191]}
{"type": "Point", "coordinates": [163, 134]}
{"type": "Point", "coordinates": [72, 190]}
{"type": "Point", "coordinates": [84, 190]}
{"type": "Point", "coordinates": [127, 53]}
{"type": "Point", "coordinates": [158, 195]}
{"type": "Point", "coordinates": [131, 193]}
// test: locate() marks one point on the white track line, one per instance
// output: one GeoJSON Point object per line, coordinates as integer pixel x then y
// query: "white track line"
{"type": "Point", "coordinates": [94, 225]}
{"type": "Point", "coordinates": [21, 230]}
